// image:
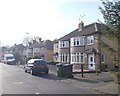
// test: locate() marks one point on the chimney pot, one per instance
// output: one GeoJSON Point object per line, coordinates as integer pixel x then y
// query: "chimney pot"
{"type": "Point", "coordinates": [80, 26]}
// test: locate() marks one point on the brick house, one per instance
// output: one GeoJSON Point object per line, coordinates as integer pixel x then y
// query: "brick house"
{"type": "Point", "coordinates": [81, 46]}
{"type": "Point", "coordinates": [18, 49]}
{"type": "Point", "coordinates": [40, 49]}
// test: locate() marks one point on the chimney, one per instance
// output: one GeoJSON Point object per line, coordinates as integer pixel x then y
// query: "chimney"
{"type": "Point", "coordinates": [40, 39]}
{"type": "Point", "coordinates": [80, 26]}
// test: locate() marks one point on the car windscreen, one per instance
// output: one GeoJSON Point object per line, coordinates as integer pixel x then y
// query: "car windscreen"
{"type": "Point", "coordinates": [9, 58]}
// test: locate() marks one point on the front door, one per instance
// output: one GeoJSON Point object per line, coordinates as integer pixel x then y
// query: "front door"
{"type": "Point", "coordinates": [91, 62]}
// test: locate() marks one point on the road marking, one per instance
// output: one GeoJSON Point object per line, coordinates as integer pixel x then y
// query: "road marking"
{"type": "Point", "coordinates": [37, 93]}
{"type": "Point", "coordinates": [18, 83]}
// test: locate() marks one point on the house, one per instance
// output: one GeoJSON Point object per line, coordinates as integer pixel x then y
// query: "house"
{"type": "Point", "coordinates": [40, 49]}
{"type": "Point", "coordinates": [17, 50]}
{"type": "Point", "coordinates": [0, 54]}
{"type": "Point", "coordinates": [3, 51]}
{"type": "Point", "coordinates": [81, 46]}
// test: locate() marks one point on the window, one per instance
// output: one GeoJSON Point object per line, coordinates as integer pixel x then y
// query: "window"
{"type": "Point", "coordinates": [81, 57]}
{"type": "Point", "coordinates": [64, 57]}
{"type": "Point", "coordinates": [102, 58]}
{"type": "Point", "coordinates": [36, 50]}
{"type": "Point", "coordinates": [77, 41]}
{"type": "Point", "coordinates": [77, 57]}
{"type": "Point", "coordinates": [56, 46]}
{"type": "Point", "coordinates": [64, 44]}
{"type": "Point", "coordinates": [90, 40]}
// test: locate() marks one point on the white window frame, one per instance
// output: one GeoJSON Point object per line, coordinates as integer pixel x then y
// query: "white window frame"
{"type": "Point", "coordinates": [56, 46]}
{"type": "Point", "coordinates": [89, 40]}
{"type": "Point", "coordinates": [29, 50]}
{"type": "Point", "coordinates": [76, 41]}
{"type": "Point", "coordinates": [64, 44]}
{"type": "Point", "coordinates": [76, 57]}
{"type": "Point", "coordinates": [36, 50]}
{"type": "Point", "coordinates": [64, 57]}
{"type": "Point", "coordinates": [102, 61]}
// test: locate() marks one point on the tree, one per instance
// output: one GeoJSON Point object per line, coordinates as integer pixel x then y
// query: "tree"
{"type": "Point", "coordinates": [111, 27]}
{"type": "Point", "coordinates": [27, 41]}
{"type": "Point", "coordinates": [17, 56]}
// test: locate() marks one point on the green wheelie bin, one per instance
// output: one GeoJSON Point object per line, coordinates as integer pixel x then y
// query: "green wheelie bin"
{"type": "Point", "coordinates": [60, 72]}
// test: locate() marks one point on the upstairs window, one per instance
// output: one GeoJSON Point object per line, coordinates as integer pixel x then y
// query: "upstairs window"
{"type": "Point", "coordinates": [36, 50]}
{"type": "Point", "coordinates": [56, 46]}
{"type": "Point", "coordinates": [64, 44]}
{"type": "Point", "coordinates": [77, 41]}
{"type": "Point", "coordinates": [90, 40]}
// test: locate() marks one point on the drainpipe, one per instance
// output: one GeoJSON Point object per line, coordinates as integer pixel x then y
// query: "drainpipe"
{"type": "Point", "coordinates": [69, 52]}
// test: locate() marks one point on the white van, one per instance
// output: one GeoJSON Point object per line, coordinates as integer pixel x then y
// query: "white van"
{"type": "Point", "coordinates": [9, 59]}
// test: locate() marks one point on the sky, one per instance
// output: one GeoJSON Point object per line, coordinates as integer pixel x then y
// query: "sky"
{"type": "Point", "coordinates": [48, 19]}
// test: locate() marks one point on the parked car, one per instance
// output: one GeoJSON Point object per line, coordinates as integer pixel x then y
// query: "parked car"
{"type": "Point", "coordinates": [36, 66]}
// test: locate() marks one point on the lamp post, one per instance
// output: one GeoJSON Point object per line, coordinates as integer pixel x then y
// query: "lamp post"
{"type": "Point", "coordinates": [27, 44]}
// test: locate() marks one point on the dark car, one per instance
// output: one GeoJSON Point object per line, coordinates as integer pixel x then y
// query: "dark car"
{"type": "Point", "coordinates": [36, 66]}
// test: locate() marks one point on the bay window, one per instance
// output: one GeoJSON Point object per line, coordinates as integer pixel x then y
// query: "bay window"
{"type": "Point", "coordinates": [77, 58]}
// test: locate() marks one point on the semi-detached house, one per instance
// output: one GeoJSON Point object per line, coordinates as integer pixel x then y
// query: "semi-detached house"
{"type": "Point", "coordinates": [40, 49]}
{"type": "Point", "coordinates": [81, 46]}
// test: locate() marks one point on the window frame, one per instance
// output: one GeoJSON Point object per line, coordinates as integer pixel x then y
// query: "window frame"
{"type": "Point", "coordinates": [64, 44]}
{"type": "Point", "coordinates": [77, 58]}
{"type": "Point", "coordinates": [89, 39]}
{"type": "Point", "coordinates": [76, 41]}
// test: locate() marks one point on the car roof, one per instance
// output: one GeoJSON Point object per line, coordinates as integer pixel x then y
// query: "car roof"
{"type": "Point", "coordinates": [32, 60]}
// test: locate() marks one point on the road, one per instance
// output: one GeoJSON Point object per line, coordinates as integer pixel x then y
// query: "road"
{"type": "Point", "coordinates": [0, 79]}
{"type": "Point", "coordinates": [16, 81]}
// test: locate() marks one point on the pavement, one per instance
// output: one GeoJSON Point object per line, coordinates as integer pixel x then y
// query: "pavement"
{"type": "Point", "coordinates": [102, 83]}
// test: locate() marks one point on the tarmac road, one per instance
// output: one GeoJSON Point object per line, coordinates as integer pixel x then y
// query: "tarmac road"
{"type": "Point", "coordinates": [0, 79]}
{"type": "Point", "coordinates": [16, 81]}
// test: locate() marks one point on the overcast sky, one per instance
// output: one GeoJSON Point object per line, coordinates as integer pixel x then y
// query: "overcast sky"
{"type": "Point", "coordinates": [48, 19]}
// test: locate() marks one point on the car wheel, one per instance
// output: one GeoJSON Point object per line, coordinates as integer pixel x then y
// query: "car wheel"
{"type": "Point", "coordinates": [31, 72]}
{"type": "Point", "coordinates": [25, 71]}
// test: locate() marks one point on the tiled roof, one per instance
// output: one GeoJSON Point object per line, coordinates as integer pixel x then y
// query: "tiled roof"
{"type": "Point", "coordinates": [46, 43]}
{"type": "Point", "coordinates": [19, 47]}
{"type": "Point", "coordinates": [87, 30]}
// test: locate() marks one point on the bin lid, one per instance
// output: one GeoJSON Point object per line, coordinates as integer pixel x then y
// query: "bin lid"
{"type": "Point", "coordinates": [59, 64]}
{"type": "Point", "coordinates": [67, 65]}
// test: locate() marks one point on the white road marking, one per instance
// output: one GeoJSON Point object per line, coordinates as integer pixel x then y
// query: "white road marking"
{"type": "Point", "coordinates": [37, 93]}
{"type": "Point", "coordinates": [18, 83]}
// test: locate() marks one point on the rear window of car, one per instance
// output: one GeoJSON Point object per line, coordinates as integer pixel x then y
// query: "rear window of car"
{"type": "Point", "coordinates": [40, 62]}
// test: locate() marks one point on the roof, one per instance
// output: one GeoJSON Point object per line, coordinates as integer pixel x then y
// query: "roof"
{"type": "Point", "coordinates": [87, 30]}
{"type": "Point", "coordinates": [18, 47]}
{"type": "Point", "coordinates": [46, 43]}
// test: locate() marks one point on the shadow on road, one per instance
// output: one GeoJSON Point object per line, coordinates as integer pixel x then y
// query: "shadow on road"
{"type": "Point", "coordinates": [87, 80]}
{"type": "Point", "coordinates": [51, 76]}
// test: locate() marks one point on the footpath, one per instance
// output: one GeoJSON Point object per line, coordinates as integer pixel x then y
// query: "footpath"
{"type": "Point", "coordinates": [102, 83]}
